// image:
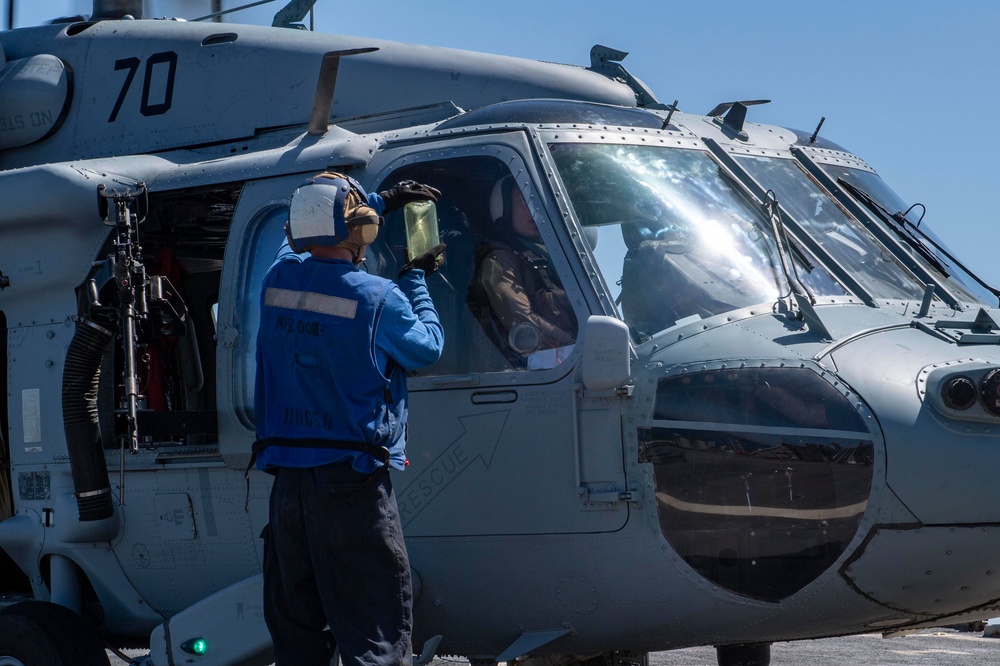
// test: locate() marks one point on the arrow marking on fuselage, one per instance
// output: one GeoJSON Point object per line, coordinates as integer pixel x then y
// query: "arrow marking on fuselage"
{"type": "Point", "coordinates": [479, 440]}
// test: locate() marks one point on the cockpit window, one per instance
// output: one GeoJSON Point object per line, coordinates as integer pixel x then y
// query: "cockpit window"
{"type": "Point", "coordinates": [849, 243]}
{"type": "Point", "coordinates": [676, 241]}
{"type": "Point", "coordinates": [499, 294]}
{"type": "Point", "coordinates": [958, 281]}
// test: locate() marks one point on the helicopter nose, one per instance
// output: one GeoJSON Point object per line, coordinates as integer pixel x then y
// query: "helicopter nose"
{"type": "Point", "coordinates": [941, 424]}
{"type": "Point", "coordinates": [938, 517]}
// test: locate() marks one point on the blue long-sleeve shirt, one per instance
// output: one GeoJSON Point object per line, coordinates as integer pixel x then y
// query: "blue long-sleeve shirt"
{"type": "Point", "coordinates": [332, 351]}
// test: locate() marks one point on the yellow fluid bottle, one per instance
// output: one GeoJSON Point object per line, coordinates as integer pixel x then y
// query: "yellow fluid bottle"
{"type": "Point", "coordinates": [421, 227]}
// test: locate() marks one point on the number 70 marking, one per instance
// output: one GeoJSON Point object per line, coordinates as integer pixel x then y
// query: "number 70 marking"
{"type": "Point", "coordinates": [164, 58]}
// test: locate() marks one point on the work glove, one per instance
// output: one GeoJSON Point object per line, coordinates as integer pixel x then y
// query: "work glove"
{"type": "Point", "coordinates": [428, 262]}
{"type": "Point", "coordinates": [406, 191]}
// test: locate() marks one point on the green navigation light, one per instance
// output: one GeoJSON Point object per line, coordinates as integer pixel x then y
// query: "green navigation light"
{"type": "Point", "coordinates": [197, 646]}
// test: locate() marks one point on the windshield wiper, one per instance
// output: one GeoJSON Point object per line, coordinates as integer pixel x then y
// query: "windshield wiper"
{"type": "Point", "coordinates": [900, 219]}
{"type": "Point", "coordinates": [900, 225]}
{"type": "Point", "coordinates": [800, 255]}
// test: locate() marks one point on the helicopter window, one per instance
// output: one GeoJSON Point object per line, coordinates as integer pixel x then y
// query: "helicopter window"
{"type": "Point", "coordinates": [773, 397]}
{"type": "Point", "coordinates": [848, 242]}
{"type": "Point", "coordinates": [762, 475]}
{"type": "Point", "coordinates": [960, 281]}
{"type": "Point", "coordinates": [269, 231]}
{"type": "Point", "coordinates": [676, 242]}
{"type": "Point", "coordinates": [500, 300]}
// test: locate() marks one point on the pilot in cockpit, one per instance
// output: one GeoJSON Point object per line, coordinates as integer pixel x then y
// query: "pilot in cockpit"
{"type": "Point", "coordinates": [665, 277]}
{"type": "Point", "coordinates": [515, 292]}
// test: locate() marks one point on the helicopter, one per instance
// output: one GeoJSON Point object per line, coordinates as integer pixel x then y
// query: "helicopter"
{"type": "Point", "coordinates": [779, 406]}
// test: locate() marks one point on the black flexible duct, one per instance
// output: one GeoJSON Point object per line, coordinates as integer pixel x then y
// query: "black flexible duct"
{"type": "Point", "coordinates": [80, 421]}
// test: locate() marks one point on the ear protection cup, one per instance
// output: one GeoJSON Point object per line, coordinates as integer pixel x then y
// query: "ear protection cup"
{"type": "Point", "coordinates": [359, 236]}
{"type": "Point", "coordinates": [363, 224]}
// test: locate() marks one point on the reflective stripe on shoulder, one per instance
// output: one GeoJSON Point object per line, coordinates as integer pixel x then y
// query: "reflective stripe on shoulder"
{"type": "Point", "coordinates": [310, 302]}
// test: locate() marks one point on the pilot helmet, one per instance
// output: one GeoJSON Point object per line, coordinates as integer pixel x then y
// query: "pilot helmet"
{"type": "Point", "coordinates": [331, 210]}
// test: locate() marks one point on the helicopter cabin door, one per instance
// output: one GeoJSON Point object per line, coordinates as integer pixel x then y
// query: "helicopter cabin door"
{"type": "Point", "coordinates": [495, 426]}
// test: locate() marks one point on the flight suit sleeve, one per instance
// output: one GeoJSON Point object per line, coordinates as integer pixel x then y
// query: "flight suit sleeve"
{"type": "Point", "coordinates": [504, 286]}
{"type": "Point", "coordinates": [409, 330]}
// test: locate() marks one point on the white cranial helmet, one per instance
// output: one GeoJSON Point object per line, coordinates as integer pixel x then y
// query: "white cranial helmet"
{"type": "Point", "coordinates": [331, 210]}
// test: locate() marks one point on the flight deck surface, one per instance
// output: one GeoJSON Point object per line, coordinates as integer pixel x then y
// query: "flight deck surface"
{"type": "Point", "coordinates": [937, 647]}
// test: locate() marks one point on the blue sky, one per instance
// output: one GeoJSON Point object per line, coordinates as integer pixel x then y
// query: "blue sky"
{"type": "Point", "coordinates": [911, 87]}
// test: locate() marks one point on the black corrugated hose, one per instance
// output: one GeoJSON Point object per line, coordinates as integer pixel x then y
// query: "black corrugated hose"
{"type": "Point", "coordinates": [80, 420]}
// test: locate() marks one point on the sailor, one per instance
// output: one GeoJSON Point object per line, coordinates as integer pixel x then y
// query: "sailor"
{"type": "Point", "coordinates": [333, 349]}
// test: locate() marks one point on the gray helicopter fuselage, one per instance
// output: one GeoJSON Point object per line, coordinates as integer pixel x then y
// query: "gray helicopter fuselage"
{"type": "Point", "coordinates": [164, 92]}
{"type": "Point", "coordinates": [763, 430]}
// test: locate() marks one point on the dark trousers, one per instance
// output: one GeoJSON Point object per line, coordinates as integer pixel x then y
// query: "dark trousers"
{"type": "Point", "coordinates": [334, 556]}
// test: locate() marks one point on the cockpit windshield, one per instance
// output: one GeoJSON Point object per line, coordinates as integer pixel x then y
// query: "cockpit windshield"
{"type": "Point", "coordinates": [847, 241]}
{"type": "Point", "coordinates": [958, 280]}
{"type": "Point", "coordinates": [676, 241]}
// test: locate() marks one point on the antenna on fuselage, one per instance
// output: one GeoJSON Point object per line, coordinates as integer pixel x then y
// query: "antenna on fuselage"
{"type": "Point", "coordinates": [673, 107]}
{"type": "Point", "coordinates": [607, 61]}
{"type": "Point", "coordinates": [815, 134]}
{"type": "Point", "coordinates": [292, 13]}
{"type": "Point", "coordinates": [319, 120]}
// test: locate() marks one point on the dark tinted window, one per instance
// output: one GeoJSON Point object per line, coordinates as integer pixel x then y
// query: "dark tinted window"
{"type": "Point", "coordinates": [759, 514]}
{"type": "Point", "coordinates": [766, 492]}
{"type": "Point", "coordinates": [774, 397]}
